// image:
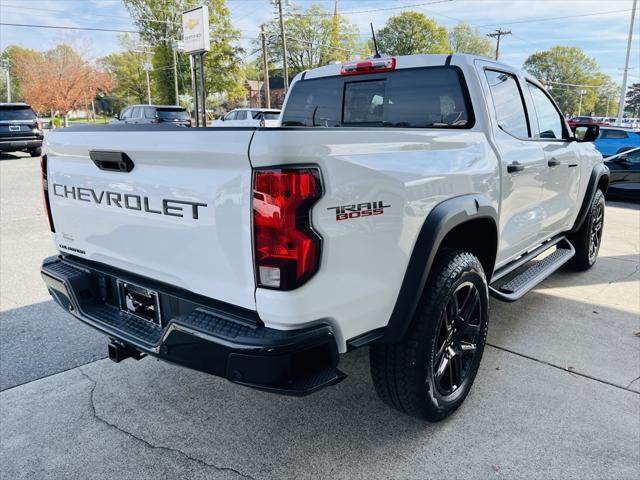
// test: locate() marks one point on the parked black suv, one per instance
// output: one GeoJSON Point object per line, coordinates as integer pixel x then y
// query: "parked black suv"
{"type": "Point", "coordinates": [20, 129]}
{"type": "Point", "coordinates": [154, 114]}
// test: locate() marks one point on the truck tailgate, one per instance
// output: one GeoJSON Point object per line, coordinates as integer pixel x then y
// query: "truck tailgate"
{"type": "Point", "coordinates": [181, 215]}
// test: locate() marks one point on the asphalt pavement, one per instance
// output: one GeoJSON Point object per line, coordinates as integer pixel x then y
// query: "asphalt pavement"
{"type": "Point", "coordinates": [557, 394]}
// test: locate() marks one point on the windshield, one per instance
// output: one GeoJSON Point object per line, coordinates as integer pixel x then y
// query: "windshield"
{"type": "Point", "coordinates": [173, 114]}
{"type": "Point", "coordinates": [16, 113]}
{"type": "Point", "coordinates": [429, 97]}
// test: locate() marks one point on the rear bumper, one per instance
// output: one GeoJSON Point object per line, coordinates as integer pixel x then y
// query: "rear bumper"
{"type": "Point", "coordinates": [196, 332]}
{"type": "Point", "coordinates": [16, 144]}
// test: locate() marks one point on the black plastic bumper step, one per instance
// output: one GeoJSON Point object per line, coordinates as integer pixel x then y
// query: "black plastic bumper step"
{"type": "Point", "coordinates": [519, 284]}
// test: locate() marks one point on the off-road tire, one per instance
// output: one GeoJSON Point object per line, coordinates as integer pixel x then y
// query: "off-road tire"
{"type": "Point", "coordinates": [403, 374]}
{"type": "Point", "coordinates": [36, 152]}
{"type": "Point", "coordinates": [590, 232]}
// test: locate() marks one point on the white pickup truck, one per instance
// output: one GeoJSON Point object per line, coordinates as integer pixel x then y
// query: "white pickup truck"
{"type": "Point", "coordinates": [397, 195]}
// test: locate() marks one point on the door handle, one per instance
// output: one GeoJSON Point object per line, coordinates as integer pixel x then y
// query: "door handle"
{"type": "Point", "coordinates": [515, 167]}
{"type": "Point", "coordinates": [111, 161]}
{"type": "Point", "coordinates": [553, 162]}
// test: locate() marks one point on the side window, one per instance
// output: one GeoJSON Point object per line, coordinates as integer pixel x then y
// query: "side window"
{"type": "Point", "coordinates": [149, 112]}
{"type": "Point", "coordinates": [613, 134]}
{"type": "Point", "coordinates": [507, 99]}
{"type": "Point", "coordinates": [135, 112]}
{"type": "Point", "coordinates": [125, 113]}
{"type": "Point", "coordinates": [241, 115]}
{"type": "Point", "coordinates": [231, 115]}
{"type": "Point", "coordinates": [549, 119]}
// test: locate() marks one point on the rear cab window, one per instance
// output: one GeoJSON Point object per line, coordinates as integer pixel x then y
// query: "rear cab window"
{"type": "Point", "coordinates": [16, 112]}
{"type": "Point", "coordinates": [427, 97]}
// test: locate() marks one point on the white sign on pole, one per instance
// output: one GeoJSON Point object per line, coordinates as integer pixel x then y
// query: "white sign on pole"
{"type": "Point", "coordinates": [195, 30]}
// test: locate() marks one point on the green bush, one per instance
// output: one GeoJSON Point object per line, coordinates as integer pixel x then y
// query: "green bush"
{"type": "Point", "coordinates": [57, 122]}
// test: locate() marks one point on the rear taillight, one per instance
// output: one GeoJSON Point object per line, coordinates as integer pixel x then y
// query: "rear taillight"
{"type": "Point", "coordinates": [45, 191]}
{"type": "Point", "coordinates": [286, 248]}
{"type": "Point", "coordinates": [373, 65]}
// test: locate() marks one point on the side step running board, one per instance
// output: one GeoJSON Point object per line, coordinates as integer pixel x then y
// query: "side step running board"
{"type": "Point", "coordinates": [516, 287]}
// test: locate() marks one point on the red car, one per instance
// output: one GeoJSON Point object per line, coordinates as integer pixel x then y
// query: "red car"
{"type": "Point", "coordinates": [585, 120]}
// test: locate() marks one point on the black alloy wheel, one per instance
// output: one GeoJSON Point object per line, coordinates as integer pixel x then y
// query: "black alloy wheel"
{"type": "Point", "coordinates": [457, 338]}
{"type": "Point", "coordinates": [596, 231]}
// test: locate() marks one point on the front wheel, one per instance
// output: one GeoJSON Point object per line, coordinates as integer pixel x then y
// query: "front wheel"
{"type": "Point", "coordinates": [587, 240]}
{"type": "Point", "coordinates": [429, 374]}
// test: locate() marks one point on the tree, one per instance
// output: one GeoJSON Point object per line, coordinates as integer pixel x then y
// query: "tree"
{"type": "Point", "coordinates": [568, 65]}
{"type": "Point", "coordinates": [12, 56]}
{"type": "Point", "coordinates": [412, 32]}
{"type": "Point", "coordinates": [633, 100]}
{"type": "Point", "coordinates": [129, 77]}
{"type": "Point", "coordinates": [60, 80]}
{"type": "Point", "coordinates": [160, 22]}
{"type": "Point", "coordinates": [606, 96]}
{"type": "Point", "coordinates": [315, 37]}
{"type": "Point", "coordinates": [465, 39]}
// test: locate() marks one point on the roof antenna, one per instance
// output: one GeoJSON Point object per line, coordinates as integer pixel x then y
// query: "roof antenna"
{"type": "Point", "coordinates": [375, 43]}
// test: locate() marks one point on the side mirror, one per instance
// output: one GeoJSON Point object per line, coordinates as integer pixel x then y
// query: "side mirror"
{"type": "Point", "coordinates": [586, 132]}
{"type": "Point", "coordinates": [117, 116]}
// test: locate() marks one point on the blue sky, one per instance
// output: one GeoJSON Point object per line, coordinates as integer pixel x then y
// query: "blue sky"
{"type": "Point", "coordinates": [601, 30]}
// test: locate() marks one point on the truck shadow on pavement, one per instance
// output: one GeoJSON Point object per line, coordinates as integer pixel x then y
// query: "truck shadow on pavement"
{"type": "Point", "coordinates": [160, 410]}
{"type": "Point", "coordinates": [42, 339]}
{"type": "Point", "coordinates": [347, 428]}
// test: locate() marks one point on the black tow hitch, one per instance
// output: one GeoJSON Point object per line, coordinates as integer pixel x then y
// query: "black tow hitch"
{"type": "Point", "coordinates": [119, 351]}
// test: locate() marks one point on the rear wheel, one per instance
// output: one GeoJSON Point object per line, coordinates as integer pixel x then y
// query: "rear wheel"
{"type": "Point", "coordinates": [587, 240]}
{"type": "Point", "coordinates": [429, 374]}
{"type": "Point", "coordinates": [35, 152]}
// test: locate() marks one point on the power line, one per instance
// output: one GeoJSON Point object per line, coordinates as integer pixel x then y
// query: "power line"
{"type": "Point", "coordinates": [353, 12]}
{"type": "Point", "coordinates": [574, 84]}
{"type": "Point", "coordinates": [20, 7]}
{"type": "Point", "coordinates": [59, 27]}
{"type": "Point", "coordinates": [547, 19]}
{"type": "Point", "coordinates": [318, 44]}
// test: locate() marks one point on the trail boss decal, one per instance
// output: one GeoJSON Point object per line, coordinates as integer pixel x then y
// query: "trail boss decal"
{"type": "Point", "coordinates": [366, 209]}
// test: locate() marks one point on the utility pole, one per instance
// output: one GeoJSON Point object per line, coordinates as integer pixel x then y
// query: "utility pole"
{"type": "Point", "coordinates": [146, 66]}
{"type": "Point", "coordinates": [497, 34]}
{"type": "Point", "coordinates": [623, 90]}
{"type": "Point", "coordinates": [285, 68]}
{"type": "Point", "coordinates": [265, 68]}
{"type": "Point", "coordinates": [581, 92]}
{"type": "Point", "coordinates": [175, 46]}
{"type": "Point", "coordinates": [6, 72]}
{"type": "Point", "coordinates": [5, 67]}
